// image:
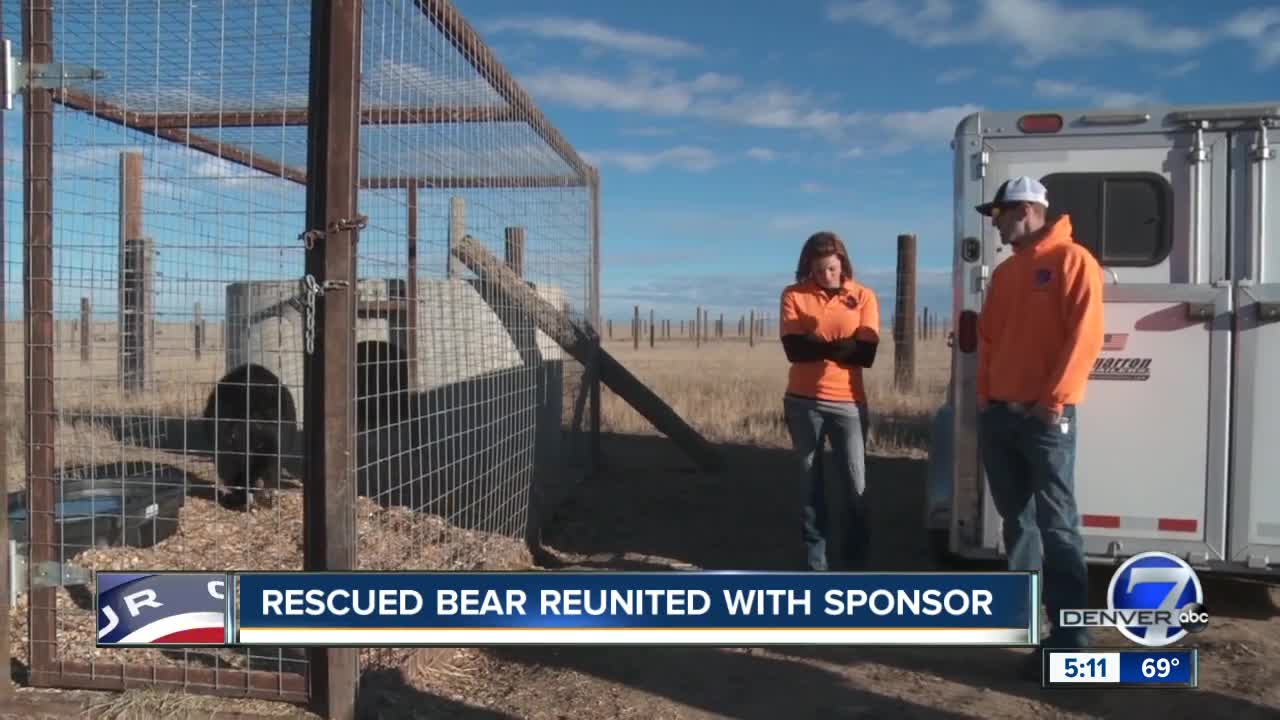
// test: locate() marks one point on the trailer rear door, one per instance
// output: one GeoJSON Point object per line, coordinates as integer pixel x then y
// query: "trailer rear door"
{"type": "Point", "coordinates": [1255, 496]}
{"type": "Point", "coordinates": [1151, 467]}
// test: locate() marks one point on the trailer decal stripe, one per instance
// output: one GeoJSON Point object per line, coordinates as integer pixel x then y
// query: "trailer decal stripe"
{"type": "Point", "coordinates": [1178, 525]}
{"type": "Point", "coordinates": [1102, 521]}
{"type": "Point", "coordinates": [1117, 522]}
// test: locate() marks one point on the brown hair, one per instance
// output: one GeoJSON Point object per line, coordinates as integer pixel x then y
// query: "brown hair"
{"type": "Point", "coordinates": [821, 245]}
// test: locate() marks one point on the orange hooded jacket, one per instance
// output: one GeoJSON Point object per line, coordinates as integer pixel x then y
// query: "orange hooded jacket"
{"type": "Point", "coordinates": [1041, 325]}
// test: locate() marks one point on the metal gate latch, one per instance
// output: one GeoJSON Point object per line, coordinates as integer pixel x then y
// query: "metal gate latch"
{"type": "Point", "coordinates": [309, 237]}
{"type": "Point", "coordinates": [19, 76]}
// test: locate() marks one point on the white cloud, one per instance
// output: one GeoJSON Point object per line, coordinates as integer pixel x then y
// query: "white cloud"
{"type": "Point", "coordinates": [853, 153]}
{"type": "Point", "coordinates": [598, 35]}
{"type": "Point", "coordinates": [1102, 97]}
{"type": "Point", "coordinates": [1036, 29]}
{"type": "Point", "coordinates": [684, 157]}
{"type": "Point", "coordinates": [776, 108]}
{"type": "Point", "coordinates": [812, 187]}
{"type": "Point", "coordinates": [762, 154]}
{"type": "Point", "coordinates": [592, 92]}
{"type": "Point", "coordinates": [1260, 28]}
{"type": "Point", "coordinates": [409, 84]}
{"type": "Point", "coordinates": [928, 126]}
{"type": "Point", "coordinates": [710, 95]}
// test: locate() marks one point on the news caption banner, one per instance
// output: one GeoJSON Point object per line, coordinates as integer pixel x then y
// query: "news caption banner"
{"type": "Point", "coordinates": [1122, 667]}
{"type": "Point", "coordinates": [717, 608]}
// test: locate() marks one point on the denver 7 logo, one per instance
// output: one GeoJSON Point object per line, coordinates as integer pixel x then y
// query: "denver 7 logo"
{"type": "Point", "coordinates": [161, 609]}
{"type": "Point", "coordinates": [1163, 583]}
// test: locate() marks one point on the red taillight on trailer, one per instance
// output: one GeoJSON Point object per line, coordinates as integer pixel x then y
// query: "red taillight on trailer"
{"type": "Point", "coordinates": [1045, 123]}
{"type": "Point", "coordinates": [967, 334]}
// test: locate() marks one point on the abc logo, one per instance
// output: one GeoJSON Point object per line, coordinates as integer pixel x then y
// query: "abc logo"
{"type": "Point", "coordinates": [1193, 618]}
{"type": "Point", "coordinates": [1166, 584]}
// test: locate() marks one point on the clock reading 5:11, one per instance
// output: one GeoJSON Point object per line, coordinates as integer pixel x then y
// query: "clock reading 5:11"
{"type": "Point", "coordinates": [1093, 667]}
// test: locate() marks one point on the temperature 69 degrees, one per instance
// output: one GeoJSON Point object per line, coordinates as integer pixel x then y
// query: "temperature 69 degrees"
{"type": "Point", "coordinates": [1121, 667]}
{"type": "Point", "coordinates": [1160, 667]}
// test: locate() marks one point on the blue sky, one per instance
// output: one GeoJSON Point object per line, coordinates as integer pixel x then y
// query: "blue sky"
{"type": "Point", "coordinates": [726, 132]}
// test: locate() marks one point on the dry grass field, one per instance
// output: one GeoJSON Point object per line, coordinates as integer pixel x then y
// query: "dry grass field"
{"type": "Point", "coordinates": [650, 508]}
{"type": "Point", "coordinates": [181, 384]}
{"type": "Point", "coordinates": [732, 392]}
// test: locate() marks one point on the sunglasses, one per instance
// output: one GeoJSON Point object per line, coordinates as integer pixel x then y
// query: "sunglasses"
{"type": "Point", "coordinates": [997, 210]}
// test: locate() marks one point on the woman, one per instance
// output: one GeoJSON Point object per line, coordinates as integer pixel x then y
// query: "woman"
{"type": "Point", "coordinates": [830, 327]}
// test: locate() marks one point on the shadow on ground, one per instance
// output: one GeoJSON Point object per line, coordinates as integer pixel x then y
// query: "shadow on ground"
{"type": "Point", "coordinates": [727, 683]}
{"type": "Point", "coordinates": [650, 501]}
{"type": "Point", "coordinates": [384, 695]}
{"type": "Point", "coordinates": [996, 669]}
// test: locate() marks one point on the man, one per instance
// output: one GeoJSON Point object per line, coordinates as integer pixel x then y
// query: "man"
{"type": "Point", "coordinates": [1039, 333]}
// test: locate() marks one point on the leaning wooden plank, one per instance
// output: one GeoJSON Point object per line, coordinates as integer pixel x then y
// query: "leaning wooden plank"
{"type": "Point", "coordinates": [500, 285]}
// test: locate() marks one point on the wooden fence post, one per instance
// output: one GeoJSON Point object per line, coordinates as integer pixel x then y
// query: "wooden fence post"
{"type": "Point", "coordinates": [329, 523]}
{"type": "Point", "coordinates": [635, 329]}
{"type": "Point", "coordinates": [411, 282]}
{"type": "Point", "coordinates": [86, 329]}
{"type": "Point", "coordinates": [197, 331]}
{"type": "Point", "coordinates": [697, 326]}
{"type": "Point", "coordinates": [457, 230]}
{"type": "Point", "coordinates": [135, 282]}
{"type": "Point", "coordinates": [904, 338]}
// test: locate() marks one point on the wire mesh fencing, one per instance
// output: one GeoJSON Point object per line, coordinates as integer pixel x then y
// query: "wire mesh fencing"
{"type": "Point", "coordinates": [465, 422]}
{"type": "Point", "coordinates": [156, 208]}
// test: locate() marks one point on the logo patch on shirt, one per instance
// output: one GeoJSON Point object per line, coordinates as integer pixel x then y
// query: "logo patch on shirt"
{"type": "Point", "coordinates": [850, 301]}
{"type": "Point", "coordinates": [1043, 276]}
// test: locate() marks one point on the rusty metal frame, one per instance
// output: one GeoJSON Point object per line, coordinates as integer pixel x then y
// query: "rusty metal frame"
{"type": "Point", "coordinates": [276, 118]}
{"type": "Point", "coordinates": [6, 652]}
{"type": "Point", "coordinates": [332, 179]}
{"type": "Point", "coordinates": [37, 280]}
{"type": "Point", "coordinates": [445, 17]}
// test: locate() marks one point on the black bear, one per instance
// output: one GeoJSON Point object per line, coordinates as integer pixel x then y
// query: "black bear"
{"type": "Point", "coordinates": [252, 418]}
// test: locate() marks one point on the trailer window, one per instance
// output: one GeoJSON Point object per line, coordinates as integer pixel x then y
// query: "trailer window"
{"type": "Point", "coordinates": [1123, 218]}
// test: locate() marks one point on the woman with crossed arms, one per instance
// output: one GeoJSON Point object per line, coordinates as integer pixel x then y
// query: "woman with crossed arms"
{"type": "Point", "coordinates": [830, 328]}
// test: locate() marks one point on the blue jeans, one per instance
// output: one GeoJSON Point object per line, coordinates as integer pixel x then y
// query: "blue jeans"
{"type": "Point", "coordinates": [810, 422]}
{"type": "Point", "coordinates": [1031, 473]}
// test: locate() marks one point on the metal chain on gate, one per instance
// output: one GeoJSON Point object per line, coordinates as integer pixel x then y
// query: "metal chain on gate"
{"type": "Point", "coordinates": [310, 290]}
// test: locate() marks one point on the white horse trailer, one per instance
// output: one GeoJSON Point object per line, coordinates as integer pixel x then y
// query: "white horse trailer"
{"type": "Point", "coordinates": [1179, 433]}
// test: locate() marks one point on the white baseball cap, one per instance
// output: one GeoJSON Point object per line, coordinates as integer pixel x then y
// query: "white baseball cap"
{"type": "Point", "coordinates": [1018, 189]}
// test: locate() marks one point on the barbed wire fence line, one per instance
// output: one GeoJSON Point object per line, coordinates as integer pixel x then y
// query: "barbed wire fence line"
{"type": "Point", "coordinates": [239, 268]}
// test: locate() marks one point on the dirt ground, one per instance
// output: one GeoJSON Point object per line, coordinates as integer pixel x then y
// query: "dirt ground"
{"type": "Point", "coordinates": [651, 510]}
{"type": "Point", "coordinates": [652, 504]}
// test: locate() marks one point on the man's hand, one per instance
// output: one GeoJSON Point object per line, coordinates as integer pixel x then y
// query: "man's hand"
{"type": "Point", "coordinates": [1046, 415]}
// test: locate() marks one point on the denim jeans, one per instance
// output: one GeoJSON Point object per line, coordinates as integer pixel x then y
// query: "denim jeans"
{"type": "Point", "coordinates": [1031, 472]}
{"type": "Point", "coordinates": [810, 422]}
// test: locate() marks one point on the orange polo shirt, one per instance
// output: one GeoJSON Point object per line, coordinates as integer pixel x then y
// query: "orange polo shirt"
{"type": "Point", "coordinates": [1041, 324]}
{"type": "Point", "coordinates": [807, 308]}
